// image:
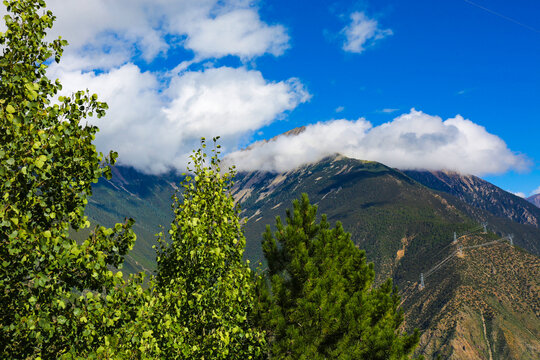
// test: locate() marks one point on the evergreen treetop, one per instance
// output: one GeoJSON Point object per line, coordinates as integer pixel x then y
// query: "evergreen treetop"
{"type": "Point", "coordinates": [322, 303]}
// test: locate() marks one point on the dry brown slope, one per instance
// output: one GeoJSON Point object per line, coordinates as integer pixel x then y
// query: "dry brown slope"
{"type": "Point", "coordinates": [483, 305]}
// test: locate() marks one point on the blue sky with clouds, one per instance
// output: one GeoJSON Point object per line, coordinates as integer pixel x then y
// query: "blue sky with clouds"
{"type": "Point", "coordinates": [449, 84]}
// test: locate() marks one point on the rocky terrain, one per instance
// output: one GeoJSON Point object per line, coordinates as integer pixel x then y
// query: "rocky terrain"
{"type": "Point", "coordinates": [484, 304]}
{"type": "Point", "coordinates": [480, 194]}
{"type": "Point", "coordinates": [535, 199]}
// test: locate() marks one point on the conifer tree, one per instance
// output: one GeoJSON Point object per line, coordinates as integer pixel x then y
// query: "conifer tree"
{"type": "Point", "coordinates": [322, 303]}
{"type": "Point", "coordinates": [204, 290]}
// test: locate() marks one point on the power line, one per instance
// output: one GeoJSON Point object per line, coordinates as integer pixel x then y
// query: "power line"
{"type": "Point", "coordinates": [423, 276]}
{"type": "Point", "coordinates": [502, 16]}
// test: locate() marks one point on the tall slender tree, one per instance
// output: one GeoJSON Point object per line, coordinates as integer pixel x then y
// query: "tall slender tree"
{"type": "Point", "coordinates": [322, 303]}
{"type": "Point", "coordinates": [204, 289]}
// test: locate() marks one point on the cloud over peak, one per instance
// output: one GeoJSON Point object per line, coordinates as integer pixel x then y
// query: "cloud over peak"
{"type": "Point", "coordinates": [411, 141]}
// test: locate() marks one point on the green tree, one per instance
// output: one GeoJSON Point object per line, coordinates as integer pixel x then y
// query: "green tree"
{"type": "Point", "coordinates": [57, 297]}
{"type": "Point", "coordinates": [204, 290]}
{"type": "Point", "coordinates": [322, 303]}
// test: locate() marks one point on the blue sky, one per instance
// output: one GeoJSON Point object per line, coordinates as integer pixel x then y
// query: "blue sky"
{"type": "Point", "coordinates": [444, 58]}
{"type": "Point", "coordinates": [352, 71]}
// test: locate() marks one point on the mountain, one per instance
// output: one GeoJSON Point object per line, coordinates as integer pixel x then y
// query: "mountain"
{"type": "Point", "coordinates": [535, 199]}
{"type": "Point", "coordinates": [377, 204]}
{"type": "Point", "coordinates": [480, 194]}
{"type": "Point", "coordinates": [146, 198]}
{"type": "Point", "coordinates": [503, 211]}
{"type": "Point", "coordinates": [406, 227]}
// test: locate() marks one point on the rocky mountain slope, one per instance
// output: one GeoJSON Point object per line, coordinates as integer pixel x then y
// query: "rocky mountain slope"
{"type": "Point", "coordinates": [480, 194]}
{"type": "Point", "coordinates": [483, 303]}
{"type": "Point", "coordinates": [408, 229]}
{"type": "Point", "coordinates": [535, 200]}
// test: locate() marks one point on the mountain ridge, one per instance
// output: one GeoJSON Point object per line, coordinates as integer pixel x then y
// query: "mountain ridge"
{"type": "Point", "coordinates": [479, 193]}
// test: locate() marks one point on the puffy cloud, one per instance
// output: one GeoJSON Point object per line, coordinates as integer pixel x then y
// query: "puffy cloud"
{"type": "Point", "coordinates": [106, 34]}
{"type": "Point", "coordinates": [154, 127]}
{"type": "Point", "coordinates": [229, 101]}
{"type": "Point", "coordinates": [411, 141]}
{"type": "Point", "coordinates": [520, 194]}
{"type": "Point", "coordinates": [537, 191]}
{"type": "Point", "coordinates": [238, 32]}
{"type": "Point", "coordinates": [362, 32]}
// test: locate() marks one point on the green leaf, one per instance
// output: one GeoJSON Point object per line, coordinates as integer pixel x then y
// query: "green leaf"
{"type": "Point", "coordinates": [40, 161]}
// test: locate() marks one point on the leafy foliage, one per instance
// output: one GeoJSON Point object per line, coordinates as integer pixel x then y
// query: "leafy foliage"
{"type": "Point", "coordinates": [55, 294]}
{"type": "Point", "coordinates": [322, 303]}
{"type": "Point", "coordinates": [204, 290]}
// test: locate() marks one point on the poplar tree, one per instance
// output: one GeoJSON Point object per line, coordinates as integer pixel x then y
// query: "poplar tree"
{"type": "Point", "coordinates": [56, 296]}
{"type": "Point", "coordinates": [204, 290]}
{"type": "Point", "coordinates": [322, 303]}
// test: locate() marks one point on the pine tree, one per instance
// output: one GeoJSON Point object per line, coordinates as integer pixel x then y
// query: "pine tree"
{"type": "Point", "coordinates": [322, 303]}
{"type": "Point", "coordinates": [204, 290]}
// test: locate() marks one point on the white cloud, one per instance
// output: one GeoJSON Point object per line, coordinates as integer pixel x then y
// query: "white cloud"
{"type": "Point", "coordinates": [155, 128]}
{"type": "Point", "coordinates": [238, 32]}
{"type": "Point", "coordinates": [107, 34]}
{"type": "Point", "coordinates": [340, 109]}
{"type": "Point", "coordinates": [520, 194]}
{"type": "Point", "coordinates": [411, 141]}
{"type": "Point", "coordinates": [229, 101]}
{"type": "Point", "coordinates": [362, 32]}
{"type": "Point", "coordinates": [537, 191]}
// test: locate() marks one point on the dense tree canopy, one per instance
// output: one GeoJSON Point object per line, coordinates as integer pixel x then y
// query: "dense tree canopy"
{"type": "Point", "coordinates": [54, 292]}
{"type": "Point", "coordinates": [322, 302]}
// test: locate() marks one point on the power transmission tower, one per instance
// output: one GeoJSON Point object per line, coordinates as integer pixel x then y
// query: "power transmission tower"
{"type": "Point", "coordinates": [485, 224]}
{"type": "Point", "coordinates": [455, 238]}
{"type": "Point", "coordinates": [511, 238]}
{"type": "Point", "coordinates": [422, 285]}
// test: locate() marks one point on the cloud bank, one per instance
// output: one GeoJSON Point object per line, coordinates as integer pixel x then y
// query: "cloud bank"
{"type": "Point", "coordinates": [411, 141]}
{"type": "Point", "coordinates": [157, 117]}
{"type": "Point", "coordinates": [362, 32]}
